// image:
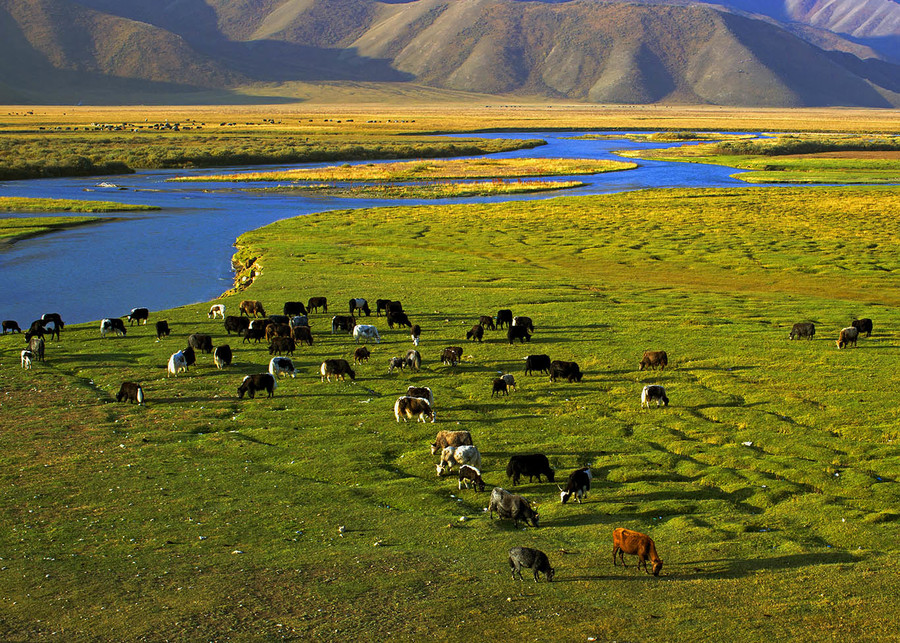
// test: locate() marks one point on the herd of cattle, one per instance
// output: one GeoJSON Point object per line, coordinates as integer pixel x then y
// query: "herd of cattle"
{"type": "Point", "coordinates": [287, 331]}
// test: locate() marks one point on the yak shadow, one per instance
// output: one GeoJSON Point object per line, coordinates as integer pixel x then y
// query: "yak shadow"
{"type": "Point", "coordinates": [729, 568]}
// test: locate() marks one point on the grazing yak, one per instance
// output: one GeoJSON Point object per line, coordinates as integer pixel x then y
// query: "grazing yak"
{"type": "Point", "coordinates": [847, 337]}
{"type": "Point", "coordinates": [252, 308]}
{"type": "Point", "coordinates": [451, 355]}
{"type": "Point", "coordinates": [302, 334]}
{"type": "Point", "coordinates": [499, 387]}
{"type": "Point", "coordinates": [464, 454]}
{"type": "Point", "coordinates": [486, 321]}
{"type": "Point", "coordinates": [413, 359]}
{"type": "Point", "coordinates": [578, 485]}
{"type": "Point", "coordinates": [162, 329]}
{"type": "Point", "coordinates": [393, 307]}
{"type": "Point", "coordinates": [450, 439]}
{"type": "Point", "coordinates": [523, 321]}
{"type": "Point", "coordinates": [476, 333]}
{"type": "Point", "coordinates": [112, 325]}
{"type": "Point", "coordinates": [366, 332]}
{"type": "Point", "coordinates": [10, 325]}
{"type": "Point", "coordinates": [533, 465]}
{"type": "Point", "coordinates": [653, 393]}
{"type": "Point", "coordinates": [282, 345]}
{"type": "Point", "coordinates": [342, 322]}
{"type": "Point", "coordinates": [177, 364]}
{"type": "Point", "coordinates": [52, 330]}
{"type": "Point", "coordinates": [36, 346]}
{"type": "Point", "coordinates": [510, 381]}
{"type": "Point", "coordinates": [863, 325]}
{"type": "Point", "coordinates": [202, 343]}
{"type": "Point", "coordinates": [421, 391]}
{"type": "Point", "coordinates": [190, 357]}
{"type": "Point", "coordinates": [533, 559]}
{"type": "Point", "coordinates": [361, 354]}
{"type": "Point", "coordinates": [467, 474]}
{"type": "Point", "coordinates": [360, 304]}
{"type": "Point", "coordinates": [222, 356]}
{"type": "Point", "coordinates": [282, 366]}
{"type": "Point", "coordinates": [256, 334]}
{"type": "Point", "coordinates": [539, 363]}
{"type": "Point", "coordinates": [654, 359]}
{"type": "Point", "coordinates": [409, 407]}
{"type": "Point", "coordinates": [53, 317]}
{"type": "Point", "coordinates": [315, 303]}
{"type": "Point", "coordinates": [130, 391]}
{"type": "Point", "coordinates": [216, 310]}
{"type": "Point", "coordinates": [336, 368]}
{"type": "Point", "coordinates": [511, 506]}
{"type": "Point", "coordinates": [258, 382]}
{"type": "Point", "coordinates": [278, 330]}
{"type": "Point", "coordinates": [27, 359]}
{"type": "Point", "coordinates": [399, 318]}
{"type": "Point", "coordinates": [518, 332]}
{"type": "Point", "coordinates": [414, 333]}
{"type": "Point", "coordinates": [139, 315]}
{"type": "Point", "coordinates": [396, 362]}
{"type": "Point", "coordinates": [381, 306]}
{"type": "Point", "coordinates": [299, 320]}
{"type": "Point", "coordinates": [504, 317]}
{"type": "Point", "coordinates": [236, 324]}
{"type": "Point", "coordinates": [803, 329]}
{"type": "Point", "coordinates": [626, 541]}
{"type": "Point", "coordinates": [293, 308]}
{"type": "Point", "coordinates": [568, 371]}
{"type": "Point", "coordinates": [280, 319]}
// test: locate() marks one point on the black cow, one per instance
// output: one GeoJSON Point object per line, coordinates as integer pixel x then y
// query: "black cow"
{"type": "Point", "coordinates": [315, 303]}
{"type": "Point", "coordinates": [292, 308]}
{"type": "Point", "coordinates": [486, 321]}
{"type": "Point", "coordinates": [511, 506]}
{"type": "Point", "coordinates": [236, 324]}
{"type": "Point", "coordinates": [399, 318]}
{"type": "Point", "coordinates": [358, 303]}
{"type": "Point", "coordinates": [11, 325]}
{"type": "Point", "coordinates": [568, 371]}
{"type": "Point", "coordinates": [578, 484]}
{"type": "Point", "coordinates": [302, 334]}
{"type": "Point", "coordinates": [533, 466]}
{"type": "Point", "coordinates": [138, 315]}
{"type": "Point", "coordinates": [499, 387]}
{"type": "Point", "coordinates": [222, 357]}
{"type": "Point", "coordinates": [280, 319]}
{"type": "Point", "coordinates": [863, 325]}
{"type": "Point", "coordinates": [504, 316]}
{"type": "Point", "coordinates": [190, 358]}
{"type": "Point", "coordinates": [518, 332]}
{"type": "Point", "coordinates": [162, 329]}
{"type": "Point", "coordinates": [336, 368]}
{"type": "Point", "coordinates": [803, 329]}
{"type": "Point", "coordinates": [258, 382]}
{"type": "Point", "coordinates": [130, 391]}
{"type": "Point", "coordinates": [476, 333]}
{"type": "Point", "coordinates": [202, 343]}
{"type": "Point", "coordinates": [281, 345]}
{"type": "Point", "coordinates": [254, 334]}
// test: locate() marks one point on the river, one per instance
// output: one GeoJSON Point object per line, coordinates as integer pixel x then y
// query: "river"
{"type": "Point", "coordinates": [182, 253]}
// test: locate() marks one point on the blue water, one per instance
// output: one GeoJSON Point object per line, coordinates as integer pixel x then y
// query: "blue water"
{"type": "Point", "coordinates": [182, 254]}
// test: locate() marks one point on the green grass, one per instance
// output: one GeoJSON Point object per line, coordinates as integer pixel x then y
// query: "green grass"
{"type": "Point", "coordinates": [440, 190]}
{"type": "Point", "coordinates": [12, 230]}
{"type": "Point", "coordinates": [17, 204]}
{"type": "Point", "coordinates": [204, 516]}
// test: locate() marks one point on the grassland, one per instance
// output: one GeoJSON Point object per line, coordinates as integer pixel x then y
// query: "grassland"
{"type": "Point", "coordinates": [16, 229]}
{"type": "Point", "coordinates": [435, 190]}
{"type": "Point", "coordinates": [19, 204]}
{"type": "Point", "coordinates": [769, 484]}
{"type": "Point", "coordinates": [797, 158]}
{"type": "Point", "coordinates": [482, 168]}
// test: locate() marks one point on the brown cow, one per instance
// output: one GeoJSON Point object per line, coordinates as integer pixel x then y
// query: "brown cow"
{"type": "Point", "coordinates": [252, 308]}
{"type": "Point", "coordinates": [654, 359]}
{"type": "Point", "coordinates": [626, 541]}
{"type": "Point", "coordinates": [450, 439]}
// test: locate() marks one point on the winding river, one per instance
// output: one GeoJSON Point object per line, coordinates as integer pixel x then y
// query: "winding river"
{"type": "Point", "coordinates": [182, 253]}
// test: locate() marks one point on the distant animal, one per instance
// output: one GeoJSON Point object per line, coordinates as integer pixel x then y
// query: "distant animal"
{"type": "Point", "coordinates": [200, 342]}
{"type": "Point", "coordinates": [10, 325]}
{"type": "Point", "coordinates": [518, 332]}
{"type": "Point", "coordinates": [467, 474]}
{"type": "Point", "coordinates": [396, 362]}
{"type": "Point", "coordinates": [299, 320]}
{"type": "Point", "coordinates": [847, 337]}
{"type": "Point", "coordinates": [653, 393]}
{"type": "Point", "coordinates": [53, 317]}
{"type": "Point", "coordinates": [255, 334]}
{"type": "Point", "coordinates": [499, 387]}
{"type": "Point", "coordinates": [577, 486]}
{"type": "Point", "coordinates": [260, 323]}
{"type": "Point", "coordinates": [361, 354]}
{"type": "Point", "coordinates": [486, 321]}
{"type": "Point", "coordinates": [177, 364]}
{"type": "Point", "coordinates": [278, 330]}
{"type": "Point", "coordinates": [381, 306]}
{"type": "Point", "coordinates": [36, 346]}
{"type": "Point", "coordinates": [510, 381]}
{"type": "Point", "coordinates": [282, 345]}
{"type": "Point", "coordinates": [463, 454]}
{"type": "Point", "coordinates": [190, 357]}
{"type": "Point", "coordinates": [280, 319]}
{"type": "Point", "coordinates": [449, 356]}
{"type": "Point", "coordinates": [393, 307]}
{"type": "Point", "coordinates": [52, 330]}
{"type": "Point", "coordinates": [258, 382]}
{"type": "Point", "coordinates": [336, 368]}
{"type": "Point", "coordinates": [27, 358]}
{"type": "Point", "coordinates": [282, 366]}
{"type": "Point", "coordinates": [162, 329]}
{"type": "Point", "coordinates": [302, 334]}
{"type": "Point", "coordinates": [533, 465]}
{"type": "Point", "coordinates": [236, 324]}
{"type": "Point", "coordinates": [568, 371]}
{"type": "Point", "coordinates": [409, 407]}
{"type": "Point", "coordinates": [139, 315]}
{"type": "Point", "coordinates": [450, 439]}
{"type": "Point", "coordinates": [414, 333]}
{"type": "Point", "coordinates": [421, 391]}
{"type": "Point", "coordinates": [626, 541]}
{"type": "Point", "coordinates": [654, 359]}
{"type": "Point", "coordinates": [399, 318]}
{"type": "Point", "coordinates": [252, 308]}
{"type": "Point", "coordinates": [222, 356]}
{"type": "Point", "coordinates": [458, 350]}
{"type": "Point", "coordinates": [360, 304]}
{"type": "Point", "coordinates": [533, 559]}
{"type": "Point", "coordinates": [36, 328]}
{"type": "Point", "coordinates": [504, 318]}
{"type": "Point", "coordinates": [476, 333]}
{"type": "Point", "coordinates": [863, 325]}
{"type": "Point", "coordinates": [342, 322]}
{"type": "Point", "coordinates": [539, 363]}
{"type": "Point", "coordinates": [216, 310]}
{"type": "Point", "coordinates": [130, 391]}
{"type": "Point", "coordinates": [413, 359]}
{"type": "Point", "coordinates": [292, 308]}
{"type": "Point", "coordinates": [315, 303]}
{"type": "Point", "coordinates": [803, 329]}
{"type": "Point", "coordinates": [112, 325]}
{"type": "Point", "coordinates": [523, 321]}
{"type": "Point", "coordinates": [366, 332]}
{"type": "Point", "coordinates": [511, 506]}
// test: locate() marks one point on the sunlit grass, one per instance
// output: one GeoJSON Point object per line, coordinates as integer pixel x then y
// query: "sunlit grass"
{"type": "Point", "coordinates": [437, 190]}
{"type": "Point", "coordinates": [14, 229]}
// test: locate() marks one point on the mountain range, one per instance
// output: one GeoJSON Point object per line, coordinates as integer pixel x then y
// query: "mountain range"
{"type": "Point", "coordinates": [778, 53]}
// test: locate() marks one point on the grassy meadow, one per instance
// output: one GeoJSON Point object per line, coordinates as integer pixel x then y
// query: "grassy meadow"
{"type": "Point", "coordinates": [433, 190]}
{"type": "Point", "coordinates": [767, 484]}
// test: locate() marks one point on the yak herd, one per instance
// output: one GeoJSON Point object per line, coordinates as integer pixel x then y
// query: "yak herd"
{"type": "Point", "coordinates": [285, 332]}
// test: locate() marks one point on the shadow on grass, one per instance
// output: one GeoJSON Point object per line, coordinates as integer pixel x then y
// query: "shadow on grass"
{"type": "Point", "coordinates": [738, 568]}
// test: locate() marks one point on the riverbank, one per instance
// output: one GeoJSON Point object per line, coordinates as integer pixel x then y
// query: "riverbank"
{"type": "Point", "coordinates": [13, 230]}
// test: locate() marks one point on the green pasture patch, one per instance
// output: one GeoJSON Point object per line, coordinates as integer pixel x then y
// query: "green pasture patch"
{"type": "Point", "coordinates": [769, 483]}
{"type": "Point", "coordinates": [438, 190]}
{"type": "Point", "coordinates": [18, 204]}
{"type": "Point", "coordinates": [15, 229]}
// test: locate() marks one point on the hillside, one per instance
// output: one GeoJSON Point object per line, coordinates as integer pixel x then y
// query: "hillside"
{"type": "Point", "coordinates": [599, 52]}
